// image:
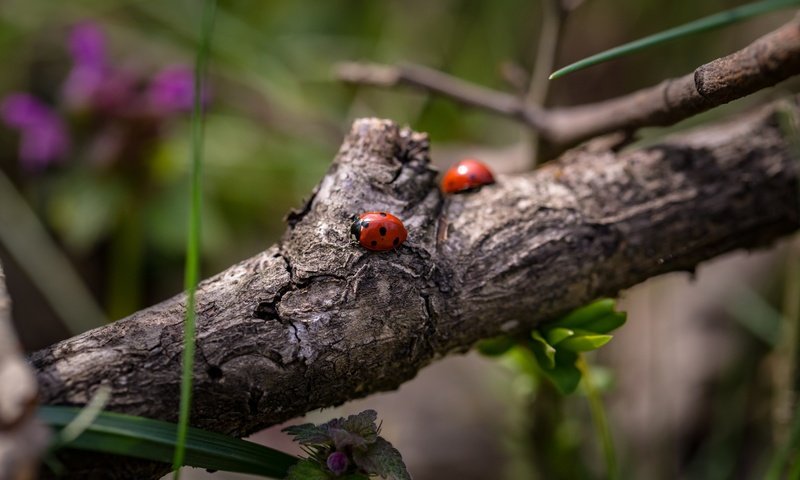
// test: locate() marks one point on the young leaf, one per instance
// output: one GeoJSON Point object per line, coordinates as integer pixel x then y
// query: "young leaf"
{"type": "Point", "coordinates": [494, 347]}
{"type": "Point", "coordinates": [557, 334]}
{"type": "Point", "coordinates": [382, 459]}
{"type": "Point", "coordinates": [308, 470]}
{"type": "Point", "coordinates": [155, 440]}
{"type": "Point", "coordinates": [608, 323]}
{"type": "Point", "coordinates": [581, 317]}
{"type": "Point", "coordinates": [701, 25]}
{"type": "Point", "coordinates": [584, 343]}
{"type": "Point", "coordinates": [544, 352]}
{"type": "Point", "coordinates": [564, 374]}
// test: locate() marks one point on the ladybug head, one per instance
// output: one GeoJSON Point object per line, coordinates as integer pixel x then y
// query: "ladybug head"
{"type": "Point", "coordinates": [355, 228]}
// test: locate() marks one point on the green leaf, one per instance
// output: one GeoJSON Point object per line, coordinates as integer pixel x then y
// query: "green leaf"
{"type": "Point", "coordinates": [309, 434]}
{"type": "Point", "coordinates": [608, 323]}
{"type": "Point", "coordinates": [494, 347]}
{"type": "Point", "coordinates": [557, 334]}
{"type": "Point", "coordinates": [364, 425]}
{"type": "Point", "coordinates": [544, 352]}
{"type": "Point", "coordinates": [581, 317]}
{"type": "Point", "coordinates": [701, 25]}
{"type": "Point", "coordinates": [564, 374]}
{"type": "Point", "coordinates": [382, 459]}
{"type": "Point", "coordinates": [308, 470]}
{"type": "Point", "coordinates": [150, 439]}
{"type": "Point", "coordinates": [585, 343]}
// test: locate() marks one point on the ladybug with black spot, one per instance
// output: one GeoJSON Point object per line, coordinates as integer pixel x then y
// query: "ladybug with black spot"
{"type": "Point", "coordinates": [378, 231]}
{"type": "Point", "coordinates": [468, 175]}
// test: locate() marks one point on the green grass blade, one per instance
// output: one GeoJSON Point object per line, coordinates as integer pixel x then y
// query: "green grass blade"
{"type": "Point", "coordinates": [149, 439]}
{"type": "Point", "coordinates": [85, 417]}
{"type": "Point", "coordinates": [700, 25]}
{"type": "Point", "coordinates": [192, 274]}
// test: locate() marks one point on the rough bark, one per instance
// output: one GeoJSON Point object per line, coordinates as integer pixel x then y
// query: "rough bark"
{"type": "Point", "coordinates": [317, 320]}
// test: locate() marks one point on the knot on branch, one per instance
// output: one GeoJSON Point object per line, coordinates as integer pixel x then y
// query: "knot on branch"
{"type": "Point", "coordinates": [380, 167]}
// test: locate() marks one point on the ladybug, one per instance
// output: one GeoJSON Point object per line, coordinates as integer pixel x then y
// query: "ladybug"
{"type": "Point", "coordinates": [468, 175]}
{"type": "Point", "coordinates": [378, 231]}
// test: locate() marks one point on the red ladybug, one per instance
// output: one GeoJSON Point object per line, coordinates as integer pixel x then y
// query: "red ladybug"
{"type": "Point", "coordinates": [378, 231]}
{"type": "Point", "coordinates": [468, 175]}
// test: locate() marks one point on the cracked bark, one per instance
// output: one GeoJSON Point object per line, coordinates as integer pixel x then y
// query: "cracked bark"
{"type": "Point", "coordinates": [315, 320]}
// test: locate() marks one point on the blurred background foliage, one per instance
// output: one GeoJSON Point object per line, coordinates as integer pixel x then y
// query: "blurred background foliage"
{"type": "Point", "coordinates": [115, 204]}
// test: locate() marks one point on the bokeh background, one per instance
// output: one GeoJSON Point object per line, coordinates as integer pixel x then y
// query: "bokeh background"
{"type": "Point", "coordinates": [94, 157]}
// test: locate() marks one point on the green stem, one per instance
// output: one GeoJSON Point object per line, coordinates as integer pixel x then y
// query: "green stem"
{"type": "Point", "coordinates": [192, 273]}
{"type": "Point", "coordinates": [600, 420]}
{"type": "Point", "coordinates": [125, 273]}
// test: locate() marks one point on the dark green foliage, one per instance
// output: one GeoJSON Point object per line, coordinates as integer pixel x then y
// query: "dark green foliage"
{"type": "Point", "coordinates": [155, 440]}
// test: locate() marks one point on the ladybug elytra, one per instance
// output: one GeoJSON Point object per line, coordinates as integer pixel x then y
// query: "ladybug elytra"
{"type": "Point", "coordinates": [378, 231]}
{"type": "Point", "coordinates": [466, 176]}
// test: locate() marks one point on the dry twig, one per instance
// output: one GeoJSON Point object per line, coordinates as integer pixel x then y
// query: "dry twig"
{"type": "Point", "coordinates": [764, 63]}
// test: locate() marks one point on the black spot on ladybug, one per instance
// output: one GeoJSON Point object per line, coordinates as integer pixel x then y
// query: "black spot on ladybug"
{"type": "Point", "coordinates": [396, 241]}
{"type": "Point", "coordinates": [383, 214]}
{"type": "Point", "coordinates": [374, 243]}
{"type": "Point", "coordinates": [382, 231]}
{"type": "Point", "coordinates": [472, 177]}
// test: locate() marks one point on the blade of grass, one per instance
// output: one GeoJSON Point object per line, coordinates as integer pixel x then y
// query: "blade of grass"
{"type": "Point", "coordinates": [700, 25]}
{"type": "Point", "coordinates": [29, 243]}
{"type": "Point", "coordinates": [192, 273]}
{"type": "Point", "coordinates": [149, 439]}
{"type": "Point", "coordinates": [85, 417]}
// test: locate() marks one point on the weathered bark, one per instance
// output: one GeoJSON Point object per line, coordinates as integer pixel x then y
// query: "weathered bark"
{"type": "Point", "coordinates": [317, 320]}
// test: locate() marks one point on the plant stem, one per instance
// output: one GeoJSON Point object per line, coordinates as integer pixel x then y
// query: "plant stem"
{"type": "Point", "coordinates": [600, 420]}
{"type": "Point", "coordinates": [192, 273]}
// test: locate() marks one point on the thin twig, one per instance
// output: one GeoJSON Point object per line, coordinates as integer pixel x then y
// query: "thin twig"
{"type": "Point", "coordinates": [762, 64]}
{"type": "Point", "coordinates": [430, 80]}
{"type": "Point", "coordinates": [553, 17]}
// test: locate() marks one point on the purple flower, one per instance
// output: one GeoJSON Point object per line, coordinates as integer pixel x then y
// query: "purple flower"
{"type": "Point", "coordinates": [93, 83]}
{"type": "Point", "coordinates": [87, 44]}
{"type": "Point", "coordinates": [338, 463]}
{"type": "Point", "coordinates": [172, 90]}
{"type": "Point", "coordinates": [44, 135]}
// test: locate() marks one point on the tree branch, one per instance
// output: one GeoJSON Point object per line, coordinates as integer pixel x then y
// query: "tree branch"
{"type": "Point", "coordinates": [762, 64]}
{"type": "Point", "coordinates": [316, 320]}
{"type": "Point", "coordinates": [22, 437]}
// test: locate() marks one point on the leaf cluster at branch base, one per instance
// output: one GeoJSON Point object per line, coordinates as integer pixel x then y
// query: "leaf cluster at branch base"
{"type": "Point", "coordinates": [557, 345]}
